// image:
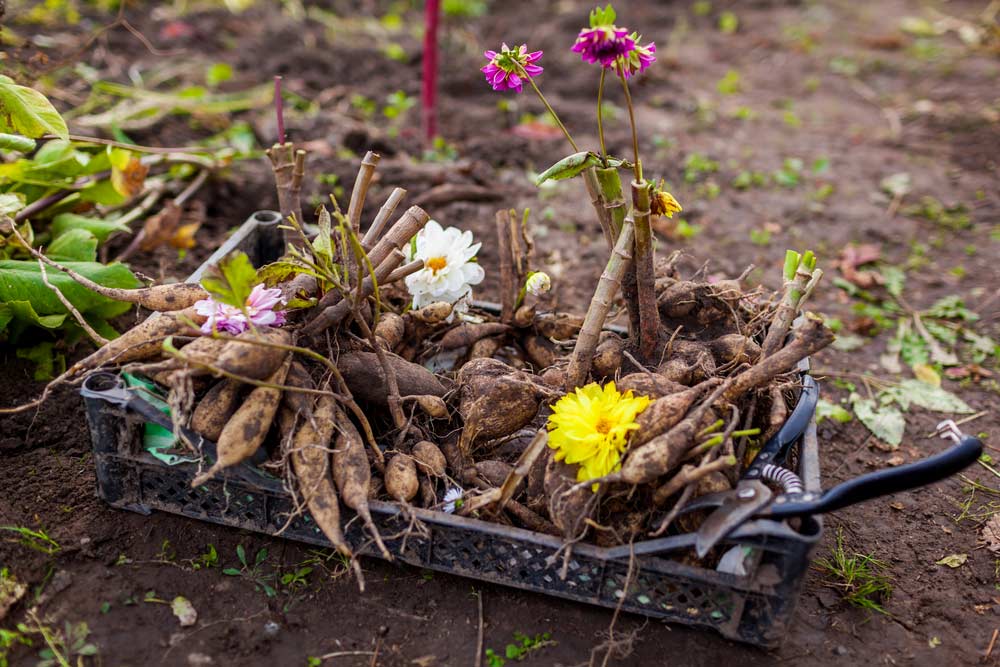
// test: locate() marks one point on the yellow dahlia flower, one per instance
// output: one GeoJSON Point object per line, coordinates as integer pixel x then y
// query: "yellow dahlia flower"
{"type": "Point", "coordinates": [590, 427]}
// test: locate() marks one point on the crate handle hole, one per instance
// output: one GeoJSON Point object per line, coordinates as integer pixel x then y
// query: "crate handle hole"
{"type": "Point", "coordinates": [267, 217]}
{"type": "Point", "coordinates": [102, 382]}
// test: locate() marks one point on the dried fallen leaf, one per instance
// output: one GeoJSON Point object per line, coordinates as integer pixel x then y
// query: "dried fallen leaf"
{"type": "Point", "coordinates": [184, 611]}
{"type": "Point", "coordinates": [990, 534]}
{"type": "Point", "coordinates": [926, 373]}
{"type": "Point", "coordinates": [897, 506]}
{"type": "Point", "coordinates": [160, 228]}
{"type": "Point", "coordinates": [11, 592]}
{"type": "Point", "coordinates": [854, 256]}
{"type": "Point", "coordinates": [183, 238]}
{"type": "Point", "coordinates": [129, 181]}
{"type": "Point", "coordinates": [954, 560]}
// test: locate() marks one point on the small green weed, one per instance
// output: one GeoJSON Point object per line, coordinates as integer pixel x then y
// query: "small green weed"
{"type": "Point", "coordinates": [953, 216]}
{"type": "Point", "coordinates": [519, 649]}
{"type": "Point", "coordinates": [697, 165]}
{"type": "Point", "coordinates": [206, 560]}
{"type": "Point", "coordinates": [253, 572]}
{"type": "Point", "coordinates": [38, 540]}
{"type": "Point", "coordinates": [860, 579]}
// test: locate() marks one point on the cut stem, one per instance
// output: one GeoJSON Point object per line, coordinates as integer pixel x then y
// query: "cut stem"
{"type": "Point", "coordinates": [649, 314]}
{"type": "Point", "coordinates": [360, 192]}
{"type": "Point", "coordinates": [381, 218]}
{"type": "Point", "coordinates": [798, 274]}
{"type": "Point", "coordinates": [600, 304]}
{"type": "Point", "coordinates": [508, 288]}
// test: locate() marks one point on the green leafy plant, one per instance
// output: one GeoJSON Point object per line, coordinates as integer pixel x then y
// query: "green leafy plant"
{"type": "Point", "coordinates": [206, 560]}
{"type": "Point", "coordinates": [297, 578]}
{"type": "Point", "coordinates": [860, 579]}
{"type": "Point", "coordinates": [253, 573]}
{"type": "Point", "coordinates": [522, 646]}
{"type": "Point", "coordinates": [696, 166]}
{"type": "Point", "coordinates": [37, 540]}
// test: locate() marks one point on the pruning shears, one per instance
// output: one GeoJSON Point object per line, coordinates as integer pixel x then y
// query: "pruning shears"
{"type": "Point", "coordinates": [110, 388]}
{"type": "Point", "coordinates": [769, 490]}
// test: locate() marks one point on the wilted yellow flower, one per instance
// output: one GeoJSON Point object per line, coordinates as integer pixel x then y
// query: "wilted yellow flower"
{"type": "Point", "coordinates": [663, 203]}
{"type": "Point", "coordinates": [590, 427]}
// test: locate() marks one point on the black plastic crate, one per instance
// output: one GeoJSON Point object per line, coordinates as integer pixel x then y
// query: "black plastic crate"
{"type": "Point", "coordinates": [755, 608]}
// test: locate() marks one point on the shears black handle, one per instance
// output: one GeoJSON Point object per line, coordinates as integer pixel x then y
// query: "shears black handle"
{"type": "Point", "coordinates": [776, 449]}
{"type": "Point", "coordinates": [882, 482]}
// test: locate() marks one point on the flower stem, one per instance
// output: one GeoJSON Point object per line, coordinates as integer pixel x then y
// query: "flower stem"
{"type": "Point", "coordinates": [600, 119]}
{"type": "Point", "coordinates": [552, 111]}
{"type": "Point", "coordinates": [635, 135]}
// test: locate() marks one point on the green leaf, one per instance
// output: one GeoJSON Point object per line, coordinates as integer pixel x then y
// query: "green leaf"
{"type": "Point", "coordinates": [232, 280]}
{"type": "Point", "coordinates": [895, 279]}
{"type": "Point", "coordinates": [827, 410]}
{"type": "Point", "coordinates": [104, 193]}
{"type": "Point", "coordinates": [599, 17]}
{"type": "Point", "coordinates": [17, 143]}
{"type": "Point", "coordinates": [184, 611]}
{"type": "Point", "coordinates": [323, 243]}
{"type": "Point", "coordinates": [231, 572]}
{"type": "Point", "coordinates": [280, 271]}
{"type": "Point", "coordinates": [953, 561]}
{"type": "Point", "coordinates": [218, 73]}
{"type": "Point", "coordinates": [848, 342]}
{"type": "Point", "coordinates": [22, 289]}
{"type": "Point", "coordinates": [927, 396]}
{"type": "Point", "coordinates": [241, 553]}
{"type": "Point", "coordinates": [28, 112]}
{"type": "Point", "coordinates": [11, 203]}
{"type": "Point", "coordinates": [951, 308]}
{"type": "Point", "coordinates": [16, 316]}
{"type": "Point", "coordinates": [73, 245]}
{"type": "Point", "coordinates": [884, 421]}
{"type": "Point", "coordinates": [100, 228]}
{"type": "Point", "coordinates": [570, 166]}
{"type": "Point", "coordinates": [44, 357]}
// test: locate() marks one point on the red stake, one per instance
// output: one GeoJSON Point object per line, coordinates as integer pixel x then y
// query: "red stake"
{"type": "Point", "coordinates": [428, 94]}
{"type": "Point", "coordinates": [279, 110]}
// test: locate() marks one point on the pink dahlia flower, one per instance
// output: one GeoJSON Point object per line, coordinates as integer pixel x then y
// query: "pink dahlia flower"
{"type": "Point", "coordinates": [603, 44]}
{"type": "Point", "coordinates": [507, 68]}
{"type": "Point", "coordinates": [638, 59]}
{"type": "Point", "coordinates": [259, 311]}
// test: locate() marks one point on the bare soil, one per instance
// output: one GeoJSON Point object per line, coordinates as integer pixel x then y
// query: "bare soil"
{"type": "Point", "coordinates": [932, 114]}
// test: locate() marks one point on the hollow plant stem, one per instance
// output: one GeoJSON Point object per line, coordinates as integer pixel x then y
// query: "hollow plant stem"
{"type": "Point", "coordinates": [600, 304]}
{"type": "Point", "coordinates": [797, 274]}
{"type": "Point", "coordinates": [649, 314]}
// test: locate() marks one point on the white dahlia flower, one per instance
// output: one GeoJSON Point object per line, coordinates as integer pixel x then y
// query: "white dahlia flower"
{"type": "Point", "coordinates": [448, 273]}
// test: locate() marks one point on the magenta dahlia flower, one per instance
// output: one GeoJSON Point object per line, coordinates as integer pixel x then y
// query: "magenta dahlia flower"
{"type": "Point", "coordinates": [603, 44]}
{"type": "Point", "coordinates": [259, 311]}
{"type": "Point", "coordinates": [507, 68]}
{"type": "Point", "coordinates": [638, 59]}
